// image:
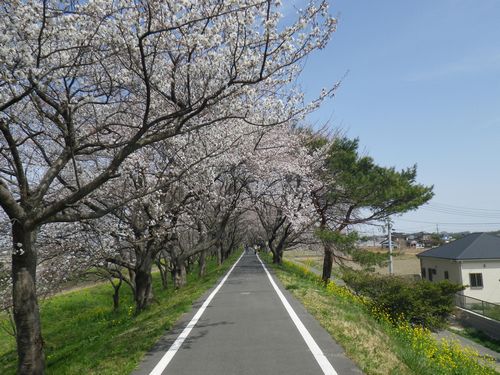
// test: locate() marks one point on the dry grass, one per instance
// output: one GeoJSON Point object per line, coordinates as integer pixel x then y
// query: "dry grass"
{"type": "Point", "coordinates": [405, 262]}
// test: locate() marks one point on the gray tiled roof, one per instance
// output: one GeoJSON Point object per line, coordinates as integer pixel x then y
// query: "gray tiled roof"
{"type": "Point", "coordinates": [473, 246]}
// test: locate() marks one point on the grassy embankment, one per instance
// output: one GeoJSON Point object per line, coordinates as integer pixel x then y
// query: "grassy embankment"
{"type": "Point", "coordinates": [368, 336]}
{"type": "Point", "coordinates": [83, 335]}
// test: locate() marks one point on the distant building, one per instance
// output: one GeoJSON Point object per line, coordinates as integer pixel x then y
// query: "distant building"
{"type": "Point", "coordinates": [473, 261]}
{"type": "Point", "coordinates": [385, 244]}
{"type": "Point", "coordinates": [415, 244]}
{"type": "Point", "coordinates": [446, 238]}
{"type": "Point", "coordinates": [398, 241]}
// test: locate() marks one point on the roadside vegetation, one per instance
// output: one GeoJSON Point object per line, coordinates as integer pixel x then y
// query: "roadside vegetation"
{"type": "Point", "coordinates": [479, 337]}
{"type": "Point", "coordinates": [420, 302]}
{"type": "Point", "coordinates": [376, 341]}
{"type": "Point", "coordinates": [85, 335]}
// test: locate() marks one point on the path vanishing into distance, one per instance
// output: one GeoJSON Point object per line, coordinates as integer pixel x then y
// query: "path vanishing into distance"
{"type": "Point", "coordinates": [247, 324]}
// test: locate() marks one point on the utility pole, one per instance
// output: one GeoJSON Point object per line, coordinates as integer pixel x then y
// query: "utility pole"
{"type": "Point", "coordinates": [389, 231]}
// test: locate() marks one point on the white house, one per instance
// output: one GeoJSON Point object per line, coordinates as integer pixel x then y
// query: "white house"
{"type": "Point", "coordinates": [473, 261]}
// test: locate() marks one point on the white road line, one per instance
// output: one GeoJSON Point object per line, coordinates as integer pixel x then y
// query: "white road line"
{"type": "Point", "coordinates": [167, 357]}
{"type": "Point", "coordinates": [323, 362]}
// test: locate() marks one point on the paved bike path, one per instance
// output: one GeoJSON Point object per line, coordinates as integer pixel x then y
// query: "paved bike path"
{"type": "Point", "coordinates": [245, 329]}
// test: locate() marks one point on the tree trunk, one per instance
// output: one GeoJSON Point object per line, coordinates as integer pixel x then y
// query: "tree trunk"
{"type": "Point", "coordinates": [327, 263]}
{"type": "Point", "coordinates": [277, 256]}
{"type": "Point", "coordinates": [162, 264]}
{"type": "Point", "coordinates": [143, 284]}
{"type": "Point", "coordinates": [116, 293]}
{"type": "Point", "coordinates": [202, 263]}
{"type": "Point", "coordinates": [219, 255]}
{"type": "Point", "coordinates": [164, 275]}
{"type": "Point", "coordinates": [229, 251]}
{"type": "Point", "coordinates": [225, 254]}
{"type": "Point", "coordinates": [116, 299]}
{"type": "Point", "coordinates": [26, 311]}
{"type": "Point", "coordinates": [278, 251]}
{"type": "Point", "coordinates": [179, 273]}
{"type": "Point", "coordinates": [272, 249]}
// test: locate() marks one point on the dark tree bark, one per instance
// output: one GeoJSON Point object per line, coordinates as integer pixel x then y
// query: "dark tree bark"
{"type": "Point", "coordinates": [219, 254]}
{"type": "Point", "coordinates": [327, 262]}
{"type": "Point", "coordinates": [179, 274]}
{"type": "Point", "coordinates": [280, 247]}
{"type": "Point", "coordinates": [202, 262]}
{"type": "Point", "coordinates": [279, 252]}
{"type": "Point", "coordinates": [26, 313]}
{"type": "Point", "coordinates": [116, 293]}
{"type": "Point", "coordinates": [277, 257]}
{"type": "Point", "coordinates": [163, 267]}
{"type": "Point", "coordinates": [143, 283]}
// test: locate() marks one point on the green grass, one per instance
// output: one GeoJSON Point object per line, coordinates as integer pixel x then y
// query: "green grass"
{"type": "Point", "coordinates": [487, 309]}
{"type": "Point", "coordinates": [83, 335]}
{"type": "Point", "coordinates": [492, 311]}
{"type": "Point", "coordinates": [374, 344]}
{"type": "Point", "coordinates": [480, 338]}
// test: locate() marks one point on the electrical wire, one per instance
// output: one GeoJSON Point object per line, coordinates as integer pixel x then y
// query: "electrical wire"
{"type": "Point", "coordinates": [445, 205]}
{"type": "Point", "coordinates": [439, 223]}
{"type": "Point", "coordinates": [462, 211]}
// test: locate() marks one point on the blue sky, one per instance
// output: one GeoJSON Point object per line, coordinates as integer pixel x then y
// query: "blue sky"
{"type": "Point", "coordinates": [422, 86]}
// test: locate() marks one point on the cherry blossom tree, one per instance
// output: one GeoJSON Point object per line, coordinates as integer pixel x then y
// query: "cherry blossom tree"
{"type": "Point", "coordinates": [62, 258]}
{"type": "Point", "coordinates": [211, 196]}
{"type": "Point", "coordinates": [281, 191]}
{"type": "Point", "coordinates": [85, 85]}
{"type": "Point", "coordinates": [174, 178]}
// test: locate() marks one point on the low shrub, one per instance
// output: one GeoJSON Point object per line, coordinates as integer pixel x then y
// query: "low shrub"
{"type": "Point", "coordinates": [424, 303]}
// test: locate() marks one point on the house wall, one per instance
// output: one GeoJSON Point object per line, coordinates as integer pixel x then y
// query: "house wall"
{"type": "Point", "coordinates": [441, 265]}
{"type": "Point", "coordinates": [491, 279]}
{"type": "Point", "coordinates": [459, 273]}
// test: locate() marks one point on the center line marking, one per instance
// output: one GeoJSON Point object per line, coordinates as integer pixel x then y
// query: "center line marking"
{"type": "Point", "coordinates": [167, 357]}
{"type": "Point", "coordinates": [323, 362]}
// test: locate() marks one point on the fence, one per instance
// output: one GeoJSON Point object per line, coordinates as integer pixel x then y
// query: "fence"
{"type": "Point", "coordinates": [488, 309]}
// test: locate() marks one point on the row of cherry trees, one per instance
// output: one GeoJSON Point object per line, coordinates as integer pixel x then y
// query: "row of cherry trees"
{"type": "Point", "coordinates": [136, 132]}
{"type": "Point", "coordinates": [155, 132]}
{"type": "Point", "coordinates": [180, 201]}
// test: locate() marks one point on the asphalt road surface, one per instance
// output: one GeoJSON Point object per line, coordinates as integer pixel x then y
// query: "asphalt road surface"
{"type": "Point", "coordinates": [243, 326]}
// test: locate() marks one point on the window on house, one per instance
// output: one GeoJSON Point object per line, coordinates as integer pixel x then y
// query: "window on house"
{"type": "Point", "coordinates": [476, 280]}
{"type": "Point", "coordinates": [431, 272]}
{"type": "Point", "coordinates": [446, 275]}
{"type": "Point", "coordinates": [423, 273]}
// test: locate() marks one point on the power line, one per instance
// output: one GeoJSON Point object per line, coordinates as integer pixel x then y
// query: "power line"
{"type": "Point", "coordinates": [455, 223]}
{"type": "Point", "coordinates": [450, 206]}
{"type": "Point", "coordinates": [462, 213]}
{"type": "Point", "coordinates": [445, 208]}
